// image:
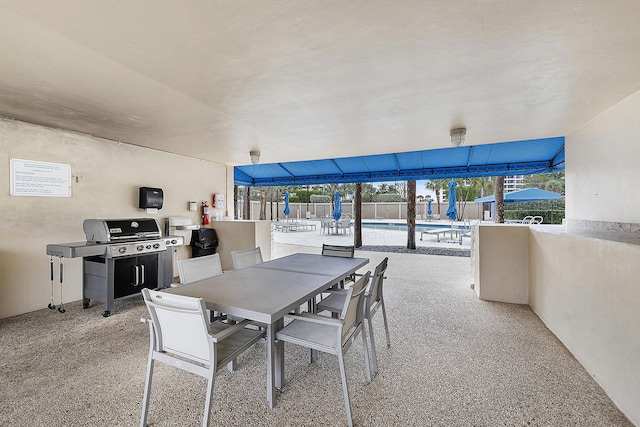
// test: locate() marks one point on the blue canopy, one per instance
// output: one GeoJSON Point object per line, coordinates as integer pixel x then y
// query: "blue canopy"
{"type": "Point", "coordinates": [337, 210]}
{"type": "Point", "coordinates": [524, 195]}
{"type": "Point", "coordinates": [287, 211]}
{"type": "Point", "coordinates": [506, 158]}
{"type": "Point", "coordinates": [452, 212]}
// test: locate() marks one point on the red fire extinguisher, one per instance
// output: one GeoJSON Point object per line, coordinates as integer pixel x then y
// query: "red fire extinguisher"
{"type": "Point", "coordinates": [205, 213]}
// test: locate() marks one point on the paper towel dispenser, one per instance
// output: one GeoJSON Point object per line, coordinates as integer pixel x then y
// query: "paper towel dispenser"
{"type": "Point", "coordinates": [150, 198]}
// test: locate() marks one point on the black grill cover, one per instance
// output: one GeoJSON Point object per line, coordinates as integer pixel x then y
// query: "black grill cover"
{"type": "Point", "coordinates": [203, 242]}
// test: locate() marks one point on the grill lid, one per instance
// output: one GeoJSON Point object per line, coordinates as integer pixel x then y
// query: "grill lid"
{"type": "Point", "coordinates": [113, 230]}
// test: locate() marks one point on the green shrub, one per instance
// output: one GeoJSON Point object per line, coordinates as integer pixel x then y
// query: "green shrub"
{"type": "Point", "coordinates": [552, 211]}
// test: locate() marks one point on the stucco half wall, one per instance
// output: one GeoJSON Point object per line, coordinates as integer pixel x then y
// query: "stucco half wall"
{"type": "Point", "coordinates": [584, 289]}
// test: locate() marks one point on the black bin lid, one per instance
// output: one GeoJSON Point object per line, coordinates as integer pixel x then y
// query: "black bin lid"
{"type": "Point", "coordinates": [204, 238]}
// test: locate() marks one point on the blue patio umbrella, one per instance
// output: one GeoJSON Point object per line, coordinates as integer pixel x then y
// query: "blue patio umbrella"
{"type": "Point", "coordinates": [452, 212]}
{"type": "Point", "coordinates": [429, 211]}
{"type": "Point", "coordinates": [337, 206]}
{"type": "Point", "coordinates": [287, 211]}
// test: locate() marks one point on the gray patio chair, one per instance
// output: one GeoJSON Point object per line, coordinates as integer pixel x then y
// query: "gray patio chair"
{"type": "Point", "coordinates": [373, 301]}
{"type": "Point", "coordinates": [325, 225]}
{"type": "Point", "coordinates": [181, 336]}
{"type": "Point", "coordinates": [242, 259]}
{"type": "Point", "coordinates": [344, 224]}
{"type": "Point", "coordinates": [194, 269]}
{"type": "Point", "coordinates": [246, 258]}
{"type": "Point", "coordinates": [333, 336]}
{"type": "Point", "coordinates": [340, 251]}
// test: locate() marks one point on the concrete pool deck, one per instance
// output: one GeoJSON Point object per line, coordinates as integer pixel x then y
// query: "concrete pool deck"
{"type": "Point", "coordinates": [372, 236]}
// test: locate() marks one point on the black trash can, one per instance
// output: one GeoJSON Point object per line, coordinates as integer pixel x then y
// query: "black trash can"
{"type": "Point", "coordinates": [203, 242]}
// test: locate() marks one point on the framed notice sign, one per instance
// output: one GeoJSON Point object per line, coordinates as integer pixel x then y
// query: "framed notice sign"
{"type": "Point", "coordinates": [33, 178]}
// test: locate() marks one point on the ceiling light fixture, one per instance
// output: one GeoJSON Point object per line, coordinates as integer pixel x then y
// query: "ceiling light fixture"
{"type": "Point", "coordinates": [255, 157]}
{"type": "Point", "coordinates": [457, 136]}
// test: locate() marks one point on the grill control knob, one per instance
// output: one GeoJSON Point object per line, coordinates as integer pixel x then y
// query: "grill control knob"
{"type": "Point", "coordinates": [122, 250]}
{"type": "Point", "coordinates": [174, 241]}
{"type": "Point", "coordinates": [156, 245]}
{"type": "Point", "coordinates": [140, 247]}
{"type": "Point", "coordinates": [148, 246]}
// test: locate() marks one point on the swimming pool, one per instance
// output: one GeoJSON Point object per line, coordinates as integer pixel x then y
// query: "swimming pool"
{"type": "Point", "coordinates": [402, 226]}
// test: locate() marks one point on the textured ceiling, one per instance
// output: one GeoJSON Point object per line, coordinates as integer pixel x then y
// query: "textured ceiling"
{"type": "Point", "coordinates": [302, 80]}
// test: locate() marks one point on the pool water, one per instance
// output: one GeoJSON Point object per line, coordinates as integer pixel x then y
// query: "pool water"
{"type": "Point", "coordinates": [402, 227]}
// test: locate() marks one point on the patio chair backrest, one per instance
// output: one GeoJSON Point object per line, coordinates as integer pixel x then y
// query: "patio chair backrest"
{"type": "Point", "coordinates": [246, 258]}
{"type": "Point", "coordinates": [180, 324]}
{"type": "Point", "coordinates": [352, 312]}
{"type": "Point", "coordinates": [339, 251]}
{"type": "Point", "coordinates": [374, 293]}
{"type": "Point", "coordinates": [181, 336]}
{"type": "Point", "coordinates": [194, 269]}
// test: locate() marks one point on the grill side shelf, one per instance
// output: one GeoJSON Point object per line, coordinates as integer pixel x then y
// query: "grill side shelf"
{"type": "Point", "coordinates": [76, 249]}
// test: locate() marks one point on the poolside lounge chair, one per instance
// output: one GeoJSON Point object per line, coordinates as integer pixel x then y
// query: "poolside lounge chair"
{"type": "Point", "coordinates": [468, 229]}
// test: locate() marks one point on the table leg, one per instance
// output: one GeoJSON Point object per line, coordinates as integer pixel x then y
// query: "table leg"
{"type": "Point", "coordinates": [279, 357]}
{"type": "Point", "coordinates": [271, 389]}
{"type": "Point", "coordinates": [311, 306]}
{"type": "Point", "coordinates": [275, 362]}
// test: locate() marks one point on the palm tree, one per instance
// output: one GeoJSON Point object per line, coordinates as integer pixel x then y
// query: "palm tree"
{"type": "Point", "coordinates": [368, 192]}
{"type": "Point", "coordinates": [235, 202]}
{"type": "Point", "coordinates": [469, 190]}
{"type": "Point", "coordinates": [499, 195]}
{"type": "Point", "coordinates": [247, 203]}
{"type": "Point", "coordinates": [437, 185]}
{"type": "Point", "coordinates": [263, 203]}
{"type": "Point", "coordinates": [485, 184]}
{"type": "Point", "coordinates": [411, 214]}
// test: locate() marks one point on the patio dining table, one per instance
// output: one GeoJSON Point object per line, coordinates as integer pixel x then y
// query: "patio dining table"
{"type": "Point", "coordinates": [266, 292]}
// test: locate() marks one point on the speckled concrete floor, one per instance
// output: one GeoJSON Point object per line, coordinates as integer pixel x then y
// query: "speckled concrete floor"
{"type": "Point", "coordinates": [454, 361]}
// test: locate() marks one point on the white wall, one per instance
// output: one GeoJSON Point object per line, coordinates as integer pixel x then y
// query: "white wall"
{"type": "Point", "coordinates": [603, 166]}
{"type": "Point", "coordinates": [108, 176]}
{"type": "Point", "coordinates": [501, 271]}
{"type": "Point", "coordinates": [586, 290]}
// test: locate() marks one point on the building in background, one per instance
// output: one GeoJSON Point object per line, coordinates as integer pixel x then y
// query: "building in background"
{"type": "Point", "coordinates": [513, 183]}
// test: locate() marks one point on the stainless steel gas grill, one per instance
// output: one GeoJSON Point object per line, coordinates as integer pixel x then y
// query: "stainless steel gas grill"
{"type": "Point", "coordinates": [120, 257]}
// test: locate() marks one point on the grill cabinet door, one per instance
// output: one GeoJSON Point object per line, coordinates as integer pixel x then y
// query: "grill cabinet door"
{"type": "Point", "coordinates": [134, 273]}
